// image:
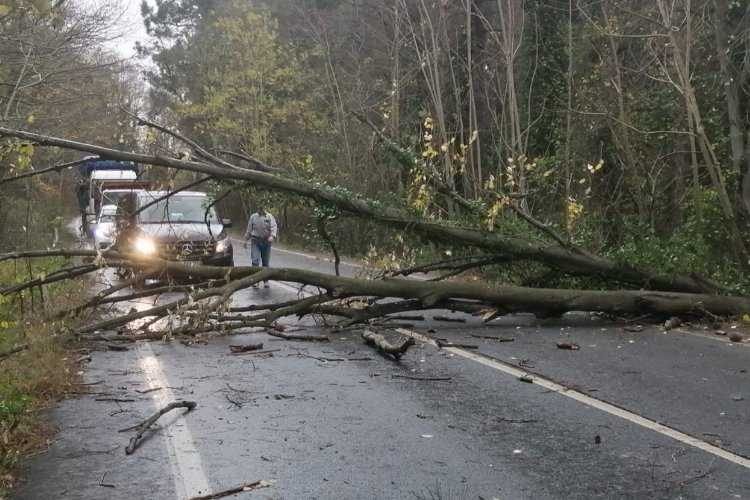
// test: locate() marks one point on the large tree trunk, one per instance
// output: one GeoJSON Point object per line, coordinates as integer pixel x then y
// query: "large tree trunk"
{"type": "Point", "coordinates": [332, 293]}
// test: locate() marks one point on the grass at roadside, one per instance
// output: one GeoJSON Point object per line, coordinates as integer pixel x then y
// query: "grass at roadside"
{"type": "Point", "coordinates": [37, 376]}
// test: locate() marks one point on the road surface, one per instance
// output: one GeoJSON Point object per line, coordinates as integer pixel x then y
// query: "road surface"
{"type": "Point", "coordinates": [648, 414]}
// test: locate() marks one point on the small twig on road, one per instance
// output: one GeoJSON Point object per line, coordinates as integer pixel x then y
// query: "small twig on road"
{"type": "Point", "coordinates": [245, 347]}
{"type": "Point", "coordinates": [146, 391]}
{"type": "Point", "coordinates": [115, 347]}
{"type": "Point", "coordinates": [517, 420]}
{"type": "Point", "coordinates": [143, 426]}
{"type": "Point", "coordinates": [255, 485]}
{"type": "Point", "coordinates": [325, 359]}
{"type": "Point", "coordinates": [102, 483]}
{"type": "Point", "coordinates": [497, 339]}
{"type": "Point", "coordinates": [116, 400]}
{"type": "Point", "coordinates": [292, 336]}
{"type": "Point", "coordinates": [425, 379]}
{"type": "Point", "coordinates": [267, 351]}
{"type": "Point", "coordinates": [404, 317]}
{"type": "Point", "coordinates": [449, 319]}
{"type": "Point", "coordinates": [229, 386]}
{"type": "Point", "coordinates": [235, 403]}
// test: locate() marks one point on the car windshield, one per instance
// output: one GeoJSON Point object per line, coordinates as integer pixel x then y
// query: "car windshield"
{"type": "Point", "coordinates": [113, 197]}
{"type": "Point", "coordinates": [179, 209]}
{"type": "Point", "coordinates": [108, 213]}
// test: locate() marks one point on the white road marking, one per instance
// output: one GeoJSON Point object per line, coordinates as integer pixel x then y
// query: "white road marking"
{"type": "Point", "coordinates": [187, 470]}
{"type": "Point", "coordinates": [588, 401]}
{"type": "Point", "coordinates": [305, 255]}
{"type": "Point", "coordinates": [581, 398]}
{"type": "Point", "coordinates": [572, 393]}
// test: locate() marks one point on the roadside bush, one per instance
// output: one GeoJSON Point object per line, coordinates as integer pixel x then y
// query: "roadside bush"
{"type": "Point", "coordinates": [35, 377]}
{"type": "Point", "coordinates": [701, 244]}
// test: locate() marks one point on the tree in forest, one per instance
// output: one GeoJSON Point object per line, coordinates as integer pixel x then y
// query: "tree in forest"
{"type": "Point", "coordinates": [55, 76]}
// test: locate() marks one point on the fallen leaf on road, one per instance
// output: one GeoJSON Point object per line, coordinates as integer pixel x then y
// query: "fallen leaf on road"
{"type": "Point", "coordinates": [568, 345]}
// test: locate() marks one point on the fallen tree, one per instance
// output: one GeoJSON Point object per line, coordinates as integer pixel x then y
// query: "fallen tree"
{"type": "Point", "coordinates": [207, 309]}
{"type": "Point", "coordinates": [204, 307]}
{"type": "Point", "coordinates": [553, 255]}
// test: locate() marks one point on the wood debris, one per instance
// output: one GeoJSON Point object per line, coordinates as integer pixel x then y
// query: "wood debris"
{"type": "Point", "coordinates": [245, 347]}
{"type": "Point", "coordinates": [383, 345]}
{"type": "Point", "coordinates": [144, 426]}
{"type": "Point", "coordinates": [255, 485]}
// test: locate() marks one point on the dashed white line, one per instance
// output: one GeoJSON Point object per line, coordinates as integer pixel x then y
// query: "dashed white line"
{"type": "Point", "coordinates": [187, 470]}
{"type": "Point", "coordinates": [589, 401]}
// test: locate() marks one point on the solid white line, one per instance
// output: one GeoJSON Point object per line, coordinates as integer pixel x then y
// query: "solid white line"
{"type": "Point", "coordinates": [589, 401]}
{"type": "Point", "coordinates": [187, 470]}
{"type": "Point", "coordinates": [577, 396]}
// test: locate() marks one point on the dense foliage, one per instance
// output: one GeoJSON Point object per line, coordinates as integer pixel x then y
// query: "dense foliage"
{"type": "Point", "coordinates": [623, 125]}
{"type": "Point", "coordinates": [55, 76]}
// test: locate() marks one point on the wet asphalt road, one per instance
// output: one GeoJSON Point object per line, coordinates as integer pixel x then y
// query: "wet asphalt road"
{"type": "Point", "coordinates": [349, 429]}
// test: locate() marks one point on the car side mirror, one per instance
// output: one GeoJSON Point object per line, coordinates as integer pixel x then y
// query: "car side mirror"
{"type": "Point", "coordinates": [227, 223]}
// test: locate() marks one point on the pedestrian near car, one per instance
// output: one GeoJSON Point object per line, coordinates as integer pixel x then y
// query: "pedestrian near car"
{"type": "Point", "coordinates": [261, 232]}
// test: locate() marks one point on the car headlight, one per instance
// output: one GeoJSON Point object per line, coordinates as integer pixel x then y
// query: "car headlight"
{"type": "Point", "coordinates": [145, 246]}
{"type": "Point", "coordinates": [223, 245]}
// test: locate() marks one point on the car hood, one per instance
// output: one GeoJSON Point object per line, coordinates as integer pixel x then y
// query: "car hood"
{"type": "Point", "coordinates": [175, 231]}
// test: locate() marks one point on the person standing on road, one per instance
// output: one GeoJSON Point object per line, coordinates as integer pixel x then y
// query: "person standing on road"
{"type": "Point", "coordinates": [261, 232]}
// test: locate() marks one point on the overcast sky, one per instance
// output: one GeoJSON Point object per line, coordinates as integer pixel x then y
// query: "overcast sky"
{"type": "Point", "coordinates": [130, 26]}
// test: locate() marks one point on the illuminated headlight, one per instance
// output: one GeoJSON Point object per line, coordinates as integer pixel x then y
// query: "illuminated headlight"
{"type": "Point", "coordinates": [222, 245]}
{"type": "Point", "coordinates": [145, 246]}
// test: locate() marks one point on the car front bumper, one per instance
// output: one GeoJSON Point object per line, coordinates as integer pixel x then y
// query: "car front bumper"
{"type": "Point", "coordinates": [224, 259]}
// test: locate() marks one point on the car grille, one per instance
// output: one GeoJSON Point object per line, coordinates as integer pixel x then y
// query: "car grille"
{"type": "Point", "coordinates": [187, 250]}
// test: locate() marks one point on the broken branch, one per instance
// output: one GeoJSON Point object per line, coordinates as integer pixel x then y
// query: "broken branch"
{"type": "Point", "coordinates": [383, 345]}
{"type": "Point", "coordinates": [144, 426]}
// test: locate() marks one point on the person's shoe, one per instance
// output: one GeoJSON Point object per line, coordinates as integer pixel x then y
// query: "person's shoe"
{"type": "Point", "coordinates": [266, 284]}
